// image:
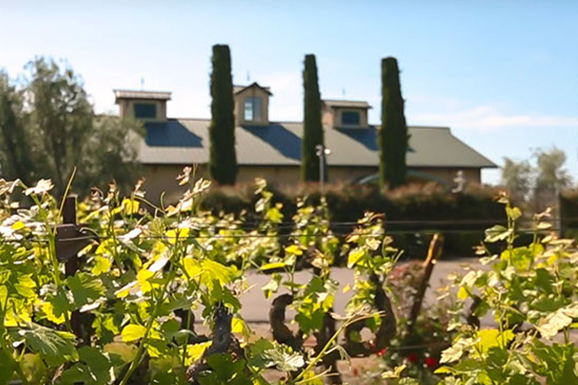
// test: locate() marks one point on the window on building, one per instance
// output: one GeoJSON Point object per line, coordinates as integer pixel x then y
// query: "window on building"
{"type": "Point", "coordinates": [350, 118]}
{"type": "Point", "coordinates": [253, 109]}
{"type": "Point", "coordinates": [145, 110]}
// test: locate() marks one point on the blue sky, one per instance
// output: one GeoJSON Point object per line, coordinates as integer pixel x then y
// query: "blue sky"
{"type": "Point", "coordinates": [502, 74]}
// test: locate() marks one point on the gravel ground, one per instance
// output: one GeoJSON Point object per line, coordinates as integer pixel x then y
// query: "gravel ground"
{"type": "Point", "coordinates": [255, 307]}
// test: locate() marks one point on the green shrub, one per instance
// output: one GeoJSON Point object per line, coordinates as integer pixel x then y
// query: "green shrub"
{"type": "Point", "coordinates": [569, 212]}
{"type": "Point", "coordinates": [517, 315]}
{"type": "Point", "coordinates": [412, 212]}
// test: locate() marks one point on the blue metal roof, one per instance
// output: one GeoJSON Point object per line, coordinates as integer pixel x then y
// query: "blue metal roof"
{"type": "Point", "coordinates": [170, 134]}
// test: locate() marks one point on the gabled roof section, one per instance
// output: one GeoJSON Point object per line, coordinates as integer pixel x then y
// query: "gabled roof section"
{"type": "Point", "coordinates": [239, 89]}
{"type": "Point", "coordinates": [333, 103]}
{"type": "Point", "coordinates": [186, 141]}
{"type": "Point", "coordinates": [146, 95]}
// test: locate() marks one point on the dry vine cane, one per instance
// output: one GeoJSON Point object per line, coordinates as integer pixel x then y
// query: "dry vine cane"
{"type": "Point", "coordinates": [433, 255]}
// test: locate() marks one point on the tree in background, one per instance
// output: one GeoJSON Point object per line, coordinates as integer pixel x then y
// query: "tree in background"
{"type": "Point", "coordinates": [312, 126]}
{"type": "Point", "coordinates": [58, 131]}
{"type": "Point", "coordinates": [222, 157]}
{"type": "Point", "coordinates": [537, 185]}
{"type": "Point", "coordinates": [517, 178]}
{"type": "Point", "coordinates": [393, 136]}
{"type": "Point", "coordinates": [110, 153]}
{"type": "Point", "coordinates": [551, 173]}
{"type": "Point", "coordinates": [15, 150]}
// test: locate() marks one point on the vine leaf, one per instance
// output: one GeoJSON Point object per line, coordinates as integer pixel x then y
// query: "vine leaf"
{"type": "Point", "coordinates": [455, 352]}
{"type": "Point", "coordinates": [195, 352]}
{"type": "Point", "coordinates": [85, 289]}
{"type": "Point", "coordinates": [497, 233]}
{"type": "Point", "coordinates": [209, 271]}
{"type": "Point", "coordinates": [95, 368]}
{"type": "Point", "coordinates": [102, 265]}
{"type": "Point", "coordinates": [133, 333]}
{"type": "Point", "coordinates": [553, 323]}
{"type": "Point", "coordinates": [273, 266]}
{"type": "Point", "coordinates": [273, 285]}
{"type": "Point", "coordinates": [268, 354]}
{"type": "Point", "coordinates": [225, 371]}
{"type": "Point", "coordinates": [55, 347]}
{"type": "Point", "coordinates": [489, 338]}
{"type": "Point", "coordinates": [355, 256]}
{"type": "Point", "coordinates": [6, 368]}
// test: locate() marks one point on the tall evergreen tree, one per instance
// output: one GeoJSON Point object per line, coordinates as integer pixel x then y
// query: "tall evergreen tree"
{"type": "Point", "coordinates": [393, 136]}
{"type": "Point", "coordinates": [222, 157]}
{"type": "Point", "coordinates": [312, 126]}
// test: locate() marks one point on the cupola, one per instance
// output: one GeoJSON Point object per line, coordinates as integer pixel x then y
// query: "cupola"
{"type": "Point", "coordinates": [143, 105]}
{"type": "Point", "coordinates": [345, 114]}
{"type": "Point", "coordinates": [252, 105]}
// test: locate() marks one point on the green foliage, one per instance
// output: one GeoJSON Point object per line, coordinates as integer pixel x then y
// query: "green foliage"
{"type": "Point", "coordinates": [222, 156]}
{"type": "Point", "coordinates": [417, 354]}
{"type": "Point", "coordinates": [529, 292]}
{"type": "Point", "coordinates": [48, 128]}
{"type": "Point", "coordinates": [225, 371]}
{"type": "Point", "coordinates": [312, 126]}
{"type": "Point", "coordinates": [569, 213]}
{"type": "Point", "coordinates": [550, 169]}
{"type": "Point", "coordinates": [533, 183]}
{"type": "Point", "coordinates": [393, 135]}
{"type": "Point", "coordinates": [93, 368]}
{"type": "Point", "coordinates": [144, 273]}
{"type": "Point", "coordinates": [162, 265]}
{"type": "Point", "coordinates": [110, 153]}
{"type": "Point", "coordinates": [346, 203]}
{"type": "Point", "coordinates": [15, 159]}
{"type": "Point", "coordinates": [517, 178]}
{"type": "Point", "coordinates": [55, 347]}
{"type": "Point", "coordinates": [267, 354]}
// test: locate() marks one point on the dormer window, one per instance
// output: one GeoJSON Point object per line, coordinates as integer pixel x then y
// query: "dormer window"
{"type": "Point", "coordinates": [251, 105]}
{"type": "Point", "coordinates": [145, 110]}
{"type": "Point", "coordinates": [347, 114]}
{"type": "Point", "coordinates": [350, 118]}
{"type": "Point", "coordinates": [253, 109]}
{"type": "Point", "coordinates": [150, 106]}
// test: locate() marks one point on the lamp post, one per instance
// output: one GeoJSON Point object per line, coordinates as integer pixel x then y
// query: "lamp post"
{"type": "Point", "coordinates": [322, 152]}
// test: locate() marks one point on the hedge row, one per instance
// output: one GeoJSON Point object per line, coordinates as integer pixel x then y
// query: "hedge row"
{"type": "Point", "coordinates": [412, 213]}
{"type": "Point", "coordinates": [569, 213]}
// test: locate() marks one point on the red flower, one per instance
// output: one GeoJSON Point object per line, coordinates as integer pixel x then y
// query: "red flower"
{"type": "Point", "coordinates": [412, 358]}
{"type": "Point", "coordinates": [431, 362]}
{"type": "Point", "coordinates": [382, 352]}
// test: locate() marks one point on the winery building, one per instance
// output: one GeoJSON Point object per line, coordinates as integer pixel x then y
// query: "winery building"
{"type": "Point", "coordinates": [272, 149]}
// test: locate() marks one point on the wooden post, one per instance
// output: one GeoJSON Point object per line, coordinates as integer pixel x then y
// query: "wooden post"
{"type": "Point", "coordinates": [433, 254]}
{"type": "Point", "coordinates": [69, 241]}
{"type": "Point", "coordinates": [69, 218]}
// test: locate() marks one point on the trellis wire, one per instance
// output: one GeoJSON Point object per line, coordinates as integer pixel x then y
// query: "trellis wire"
{"type": "Point", "coordinates": [281, 236]}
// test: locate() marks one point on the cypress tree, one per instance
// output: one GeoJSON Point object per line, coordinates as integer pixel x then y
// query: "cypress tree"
{"type": "Point", "coordinates": [312, 126]}
{"type": "Point", "coordinates": [393, 136]}
{"type": "Point", "coordinates": [222, 157]}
